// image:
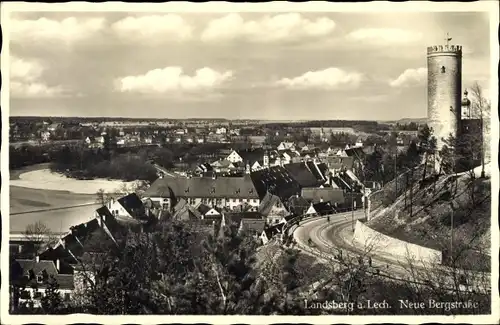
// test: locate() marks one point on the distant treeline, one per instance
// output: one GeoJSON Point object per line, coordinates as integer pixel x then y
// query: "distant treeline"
{"type": "Point", "coordinates": [324, 124]}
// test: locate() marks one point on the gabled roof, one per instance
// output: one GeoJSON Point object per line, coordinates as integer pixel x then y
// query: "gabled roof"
{"type": "Point", "coordinates": [253, 225]}
{"type": "Point", "coordinates": [326, 194]}
{"type": "Point", "coordinates": [267, 203]}
{"type": "Point", "coordinates": [237, 217]}
{"type": "Point", "coordinates": [301, 173]}
{"type": "Point", "coordinates": [205, 187]}
{"type": "Point", "coordinates": [42, 267]}
{"type": "Point", "coordinates": [252, 155]}
{"type": "Point", "coordinates": [273, 230]}
{"type": "Point", "coordinates": [276, 180]}
{"type": "Point", "coordinates": [314, 169]}
{"type": "Point", "coordinates": [297, 205]}
{"type": "Point", "coordinates": [37, 267]}
{"type": "Point", "coordinates": [323, 208]}
{"type": "Point", "coordinates": [341, 183]}
{"type": "Point", "coordinates": [203, 208]}
{"type": "Point", "coordinates": [133, 204]}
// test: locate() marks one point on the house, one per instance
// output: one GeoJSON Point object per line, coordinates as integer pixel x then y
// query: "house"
{"type": "Point", "coordinates": [268, 233]}
{"type": "Point", "coordinates": [34, 276]}
{"type": "Point", "coordinates": [273, 209]}
{"type": "Point", "coordinates": [120, 141]}
{"type": "Point", "coordinates": [326, 194]}
{"type": "Point", "coordinates": [304, 174]}
{"type": "Point", "coordinates": [276, 180]}
{"type": "Point", "coordinates": [253, 157]}
{"type": "Point", "coordinates": [219, 192]}
{"type": "Point", "coordinates": [297, 206]}
{"type": "Point", "coordinates": [221, 130]}
{"type": "Point", "coordinates": [207, 212]}
{"type": "Point", "coordinates": [223, 166]}
{"type": "Point", "coordinates": [204, 168]}
{"type": "Point", "coordinates": [286, 145]}
{"type": "Point", "coordinates": [54, 126]}
{"type": "Point", "coordinates": [323, 208]}
{"type": "Point", "coordinates": [185, 212]}
{"type": "Point", "coordinates": [257, 140]}
{"type": "Point", "coordinates": [252, 226]}
{"type": "Point", "coordinates": [45, 135]}
{"type": "Point", "coordinates": [128, 208]}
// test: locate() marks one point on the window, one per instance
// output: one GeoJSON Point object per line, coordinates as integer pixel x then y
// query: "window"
{"type": "Point", "coordinates": [39, 278]}
{"type": "Point", "coordinates": [67, 296]}
{"type": "Point", "coordinates": [37, 295]}
{"type": "Point", "coordinates": [443, 69]}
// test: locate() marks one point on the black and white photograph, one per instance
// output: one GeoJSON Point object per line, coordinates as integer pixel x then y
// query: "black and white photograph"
{"type": "Point", "coordinates": [225, 162]}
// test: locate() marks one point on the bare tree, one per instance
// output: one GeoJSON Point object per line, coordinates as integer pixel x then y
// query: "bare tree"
{"type": "Point", "coordinates": [40, 236]}
{"type": "Point", "coordinates": [103, 197]}
{"type": "Point", "coordinates": [481, 108]}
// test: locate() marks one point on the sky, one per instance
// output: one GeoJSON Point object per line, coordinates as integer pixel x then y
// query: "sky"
{"type": "Point", "coordinates": [265, 65]}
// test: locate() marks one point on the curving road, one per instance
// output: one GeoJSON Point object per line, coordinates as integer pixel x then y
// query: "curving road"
{"type": "Point", "coordinates": [330, 237]}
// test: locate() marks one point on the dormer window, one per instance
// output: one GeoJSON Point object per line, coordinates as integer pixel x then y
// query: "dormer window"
{"type": "Point", "coordinates": [212, 190]}
{"type": "Point", "coordinates": [39, 278]}
{"type": "Point", "coordinates": [238, 191]}
{"type": "Point", "coordinates": [186, 190]}
{"type": "Point", "coordinates": [250, 191]}
{"type": "Point", "coordinates": [443, 69]}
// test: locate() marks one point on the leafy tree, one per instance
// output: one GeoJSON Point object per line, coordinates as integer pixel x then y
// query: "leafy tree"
{"type": "Point", "coordinates": [51, 301]}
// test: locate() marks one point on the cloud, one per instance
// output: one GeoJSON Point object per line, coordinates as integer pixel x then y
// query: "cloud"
{"type": "Point", "coordinates": [410, 77]}
{"type": "Point", "coordinates": [172, 79]}
{"type": "Point", "coordinates": [25, 79]}
{"type": "Point", "coordinates": [384, 35]}
{"type": "Point", "coordinates": [151, 27]}
{"type": "Point", "coordinates": [33, 89]}
{"type": "Point", "coordinates": [282, 27]}
{"type": "Point", "coordinates": [24, 69]}
{"type": "Point", "coordinates": [67, 30]}
{"type": "Point", "coordinates": [331, 78]}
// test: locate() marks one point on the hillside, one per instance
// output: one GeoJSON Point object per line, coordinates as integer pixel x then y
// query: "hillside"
{"type": "Point", "coordinates": [428, 221]}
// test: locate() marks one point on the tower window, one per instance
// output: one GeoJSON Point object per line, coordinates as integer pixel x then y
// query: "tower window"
{"type": "Point", "coordinates": [443, 69]}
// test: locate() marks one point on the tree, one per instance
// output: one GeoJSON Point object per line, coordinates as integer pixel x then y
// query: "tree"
{"type": "Point", "coordinates": [102, 197]}
{"type": "Point", "coordinates": [51, 301]}
{"type": "Point", "coordinates": [40, 236]}
{"type": "Point", "coordinates": [481, 108]}
{"type": "Point", "coordinates": [424, 137]}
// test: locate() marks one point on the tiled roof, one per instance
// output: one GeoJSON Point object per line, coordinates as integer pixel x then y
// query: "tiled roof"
{"type": "Point", "coordinates": [322, 208]}
{"type": "Point", "coordinates": [313, 167]}
{"type": "Point", "coordinates": [326, 194]}
{"type": "Point", "coordinates": [43, 267]}
{"type": "Point", "coordinates": [276, 180]}
{"type": "Point", "coordinates": [267, 203]}
{"type": "Point", "coordinates": [341, 183]}
{"type": "Point", "coordinates": [302, 174]}
{"type": "Point", "coordinates": [203, 208]}
{"type": "Point", "coordinates": [38, 267]}
{"type": "Point", "coordinates": [251, 156]}
{"type": "Point", "coordinates": [133, 204]}
{"type": "Point", "coordinates": [237, 217]}
{"type": "Point", "coordinates": [336, 162]}
{"type": "Point", "coordinates": [273, 230]}
{"type": "Point", "coordinates": [205, 187]}
{"type": "Point", "coordinates": [298, 205]}
{"type": "Point", "coordinates": [253, 225]}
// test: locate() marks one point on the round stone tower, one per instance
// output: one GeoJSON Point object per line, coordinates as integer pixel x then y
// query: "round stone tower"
{"type": "Point", "coordinates": [444, 88]}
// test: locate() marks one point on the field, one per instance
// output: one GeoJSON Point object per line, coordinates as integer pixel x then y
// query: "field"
{"type": "Point", "coordinates": [36, 194]}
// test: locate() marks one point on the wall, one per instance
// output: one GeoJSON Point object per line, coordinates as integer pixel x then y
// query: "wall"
{"type": "Point", "coordinates": [380, 243]}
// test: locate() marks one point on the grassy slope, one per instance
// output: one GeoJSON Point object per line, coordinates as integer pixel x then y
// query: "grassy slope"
{"type": "Point", "coordinates": [430, 223]}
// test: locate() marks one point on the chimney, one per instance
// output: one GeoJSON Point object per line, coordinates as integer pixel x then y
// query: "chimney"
{"type": "Point", "coordinates": [58, 265]}
{"type": "Point", "coordinates": [37, 258]}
